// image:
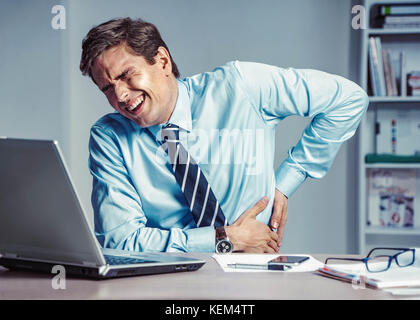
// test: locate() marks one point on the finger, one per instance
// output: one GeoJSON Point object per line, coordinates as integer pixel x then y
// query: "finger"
{"type": "Point", "coordinates": [276, 215]}
{"type": "Point", "coordinates": [280, 200]}
{"type": "Point", "coordinates": [273, 244]}
{"type": "Point", "coordinates": [255, 250]}
{"type": "Point", "coordinates": [280, 230]}
{"type": "Point", "coordinates": [269, 249]}
{"type": "Point", "coordinates": [256, 209]}
{"type": "Point", "coordinates": [274, 236]}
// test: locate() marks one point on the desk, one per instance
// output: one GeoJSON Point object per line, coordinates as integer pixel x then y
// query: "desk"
{"type": "Point", "coordinates": [210, 282]}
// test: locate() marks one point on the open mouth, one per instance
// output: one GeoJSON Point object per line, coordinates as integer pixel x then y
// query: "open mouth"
{"type": "Point", "coordinates": [135, 107]}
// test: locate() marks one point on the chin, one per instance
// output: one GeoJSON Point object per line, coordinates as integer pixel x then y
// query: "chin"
{"type": "Point", "coordinates": [142, 123]}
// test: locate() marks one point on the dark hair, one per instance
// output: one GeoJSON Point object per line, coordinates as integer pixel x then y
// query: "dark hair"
{"type": "Point", "coordinates": [142, 37]}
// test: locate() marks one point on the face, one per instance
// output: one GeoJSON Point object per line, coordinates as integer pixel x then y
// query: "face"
{"type": "Point", "coordinates": [140, 91]}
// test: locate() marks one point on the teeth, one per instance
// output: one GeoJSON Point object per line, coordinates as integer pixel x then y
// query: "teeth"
{"type": "Point", "coordinates": [136, 103]}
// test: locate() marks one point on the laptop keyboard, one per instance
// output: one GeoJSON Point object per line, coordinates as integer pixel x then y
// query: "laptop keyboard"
{"type": "Point", "coordinates": [118, 260]}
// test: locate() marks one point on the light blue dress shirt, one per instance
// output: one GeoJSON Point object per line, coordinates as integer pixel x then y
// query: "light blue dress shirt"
{"type": "Point", "coordinates": [227, 121]}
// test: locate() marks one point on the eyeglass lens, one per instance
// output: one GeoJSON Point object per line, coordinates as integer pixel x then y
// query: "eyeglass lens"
{"type": "Point", "coordinates": [379, 260]}
{"type": "Point", "coordinates": [405, 259]}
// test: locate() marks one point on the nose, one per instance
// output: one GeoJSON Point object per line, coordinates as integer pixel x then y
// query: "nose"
{"type": "Point", "coordinates": [121, 93]}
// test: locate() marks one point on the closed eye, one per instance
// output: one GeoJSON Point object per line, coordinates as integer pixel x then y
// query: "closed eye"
{"type": "Point", "coordinates": [121, 76]}
{"type": "Point", "coordinates": [106, 88]}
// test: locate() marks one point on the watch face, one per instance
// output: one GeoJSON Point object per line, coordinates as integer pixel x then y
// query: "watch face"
{"type": "Point", "coordinates": [224, 246]}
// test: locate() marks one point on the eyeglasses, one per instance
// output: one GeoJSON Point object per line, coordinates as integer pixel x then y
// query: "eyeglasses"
{"type": "Point", "coordinates": [380, 259]}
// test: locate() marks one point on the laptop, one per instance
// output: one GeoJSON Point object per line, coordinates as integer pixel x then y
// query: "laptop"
{"type": "Point", "coordinates": [43, 224]}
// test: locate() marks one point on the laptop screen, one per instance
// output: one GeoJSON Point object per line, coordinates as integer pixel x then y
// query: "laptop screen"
{"type": "Point", "coordinates": [40, 214]}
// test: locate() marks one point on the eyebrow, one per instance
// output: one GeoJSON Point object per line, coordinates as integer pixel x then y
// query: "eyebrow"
{"type": "Point", "coordinates": [120, 76]}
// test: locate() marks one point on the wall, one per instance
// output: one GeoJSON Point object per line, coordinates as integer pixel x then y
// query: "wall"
{"type": "Point", "coordinates": [30, 69]}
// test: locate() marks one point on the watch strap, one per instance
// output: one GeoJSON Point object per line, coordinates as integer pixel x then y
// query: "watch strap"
{"type": "Point", "coordinates": [221, 234]}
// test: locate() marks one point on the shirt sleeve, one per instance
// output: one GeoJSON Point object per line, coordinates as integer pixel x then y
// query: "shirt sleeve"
{"type": "Point", "coordinates": [335, 104]}
{"type": "Point", "coordinates": [120, 222]}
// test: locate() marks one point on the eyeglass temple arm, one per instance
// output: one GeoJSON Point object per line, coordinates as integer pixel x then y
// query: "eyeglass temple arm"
{"type": "Point", "coordinates": [380, 248]}
{"type": "Point", "coordinates": [344, 259]}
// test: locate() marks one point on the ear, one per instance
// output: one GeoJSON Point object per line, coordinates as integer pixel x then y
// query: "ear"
{"type": "Point", "coordinates": [164, 60]}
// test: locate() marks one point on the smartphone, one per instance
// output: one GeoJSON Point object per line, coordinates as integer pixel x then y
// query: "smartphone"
{"type": "Point", "coordinates": [285, 262]}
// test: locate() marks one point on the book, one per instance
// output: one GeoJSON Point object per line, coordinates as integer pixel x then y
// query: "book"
{"type": "Point", "coordinates": [374, 67]}
{"type": "Point", "coordinates": [382, 90]}
{"type": "Point", "coordinates": [400, 10]}
{"type": "Point", "coordinates": [403, 73]}
{"type": "Point", "coordinates": [391, 158]}
{"type": "Point", "coordinates": [387, 71]}
{"type": "Point", "coordinates": [415, 91]}
{"type": "Point", "coordinates": [414, 78]}
{"type": "Point", "coordinates": [408, 21]}
{"type": "Point", "coordinates": [402, 19]}
{"type": "Point", "coordinates": [392, 74]}
{"type": "Point", "coordinates": [391, 197]}
{"type": "Point", "coordinates": [401, 25]}
{"type": "Point", "coordinates": [413, 81]}
{"type": "Point", "coordinates": [356, 273]}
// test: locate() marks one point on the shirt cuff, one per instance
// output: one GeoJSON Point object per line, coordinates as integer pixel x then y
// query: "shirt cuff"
{"type": "Point", "coordinates": [201, 239]}
{"type": "Point", "coordinates": [288, 179]}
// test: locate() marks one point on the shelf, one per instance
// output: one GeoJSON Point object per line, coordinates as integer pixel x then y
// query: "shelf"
{"type": "Point", "coordinates": [392, 231]}
{"type": "Point", "coordinates": [393, 31]}
{"type": "Point", "coordinates": [393, 165]}
{"type": "Point", "coordinates": [395, 40]}
{"type": "Point", "coordinates": [393, 99]}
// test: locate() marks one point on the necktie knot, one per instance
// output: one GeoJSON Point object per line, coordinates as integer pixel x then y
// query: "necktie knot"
{"type": "Point", "coordinates": [170, 133]}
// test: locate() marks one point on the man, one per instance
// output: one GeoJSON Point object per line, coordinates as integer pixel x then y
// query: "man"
{"type": "Point", "coordinates": [187, 165]}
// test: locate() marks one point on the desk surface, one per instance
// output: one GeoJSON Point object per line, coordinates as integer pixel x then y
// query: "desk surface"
{"type": "Point", "coordinates": [210, 282]}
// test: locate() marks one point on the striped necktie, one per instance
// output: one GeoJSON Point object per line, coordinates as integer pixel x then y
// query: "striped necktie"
{"type": "Point", "coordinates": [203, 204]}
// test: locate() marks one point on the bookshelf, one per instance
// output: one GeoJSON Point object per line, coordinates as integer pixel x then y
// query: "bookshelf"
{"type": "Point", "coordinates": [394, 40]}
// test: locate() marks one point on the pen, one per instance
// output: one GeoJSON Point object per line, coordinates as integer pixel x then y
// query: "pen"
{"type": "Point", "coordinates": [279, 267]}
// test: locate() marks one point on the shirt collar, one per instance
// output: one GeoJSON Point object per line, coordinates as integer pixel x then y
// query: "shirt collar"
{"type": "Point", "coordinates": [181, 116]}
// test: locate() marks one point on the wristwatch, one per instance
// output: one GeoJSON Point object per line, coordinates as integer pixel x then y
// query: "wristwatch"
{"type": "Point", "coordinates": [223, 244]}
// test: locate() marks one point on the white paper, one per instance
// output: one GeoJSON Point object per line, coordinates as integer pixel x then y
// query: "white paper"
{"type": "Point", "coordinates": [404, 291]}
{"type": "Point", "coordinates": [224, 259]}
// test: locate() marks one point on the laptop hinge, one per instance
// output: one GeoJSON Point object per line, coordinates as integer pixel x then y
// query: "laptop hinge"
{"type": "Point", "coordinates": [89, 264]}
{"type": "Point", "coordinates": [10, 255]}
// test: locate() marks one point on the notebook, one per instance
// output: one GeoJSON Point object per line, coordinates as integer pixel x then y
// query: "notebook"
{"type": "Point", "coordinates": [43, 224]}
